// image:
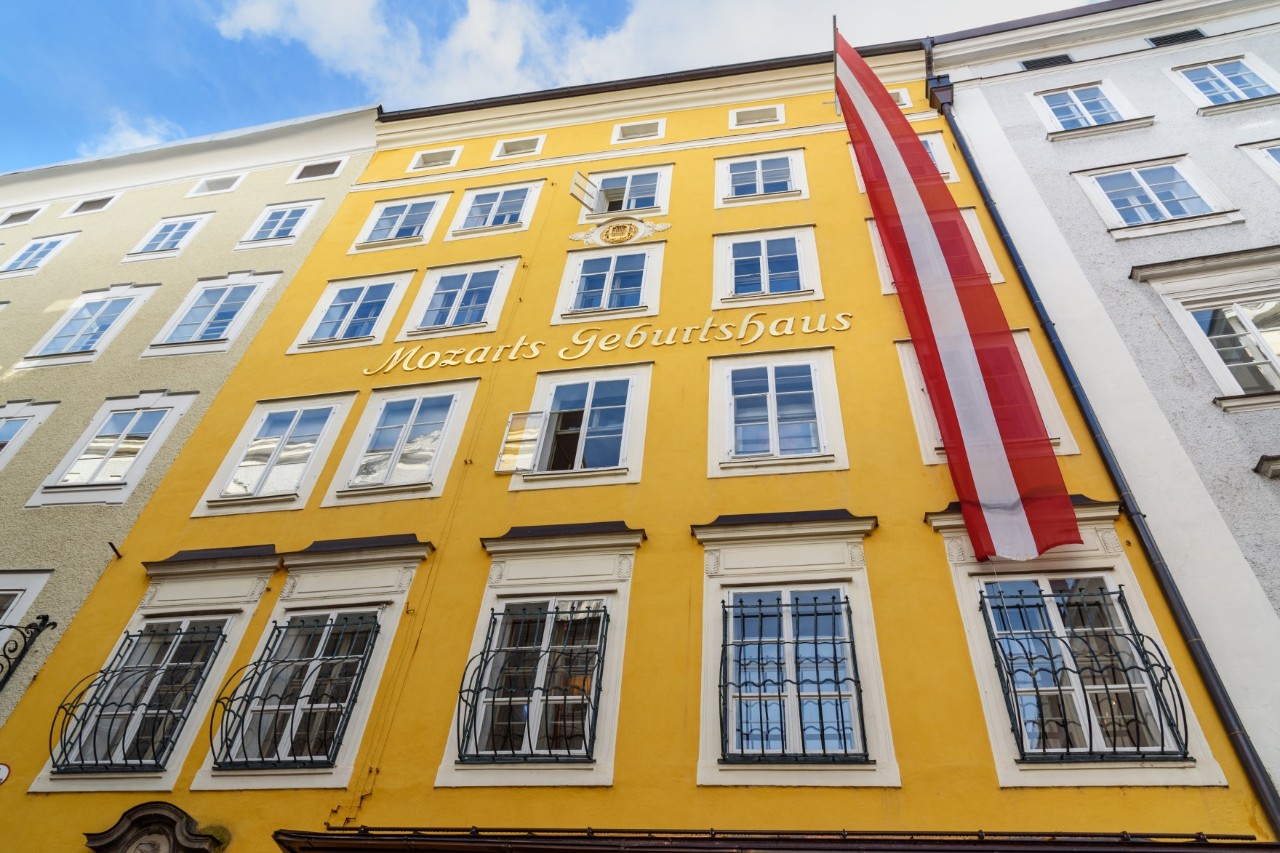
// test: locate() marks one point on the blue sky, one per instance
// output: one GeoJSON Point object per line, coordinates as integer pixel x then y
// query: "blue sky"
{"type": "Point", "coordinates": [88, 77]}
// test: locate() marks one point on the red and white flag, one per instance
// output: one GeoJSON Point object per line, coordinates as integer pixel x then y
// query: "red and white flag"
{"type": "Point", "coordinates": [1011, 492]}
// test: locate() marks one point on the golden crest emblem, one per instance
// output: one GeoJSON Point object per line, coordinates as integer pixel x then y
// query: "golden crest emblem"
{"type": "Point", "coordinates": [619, 232]}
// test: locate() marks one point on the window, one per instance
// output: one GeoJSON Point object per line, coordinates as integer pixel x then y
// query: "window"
{"type": "Point", "coordinates": [935, 144]}
{"type": "Point", "coordinates": [277, 457]}
{"type": "Point", "coordinates": [402, 221]}
{"type": "Point", "coordinates": [212, 315]}
{"type": "Point", "coordinates": [640, 192]}
{"type": "Point", "coordinates": [774, 413]}
{"type": "Point", "coordinates": [168, 238]}
{"type": "Point", "coordinates": [1151, 198]}
{"type": "Point", "coordinates": [761, 267]}
{"type": "Point", "coordinates": [638, 130]}
{"type": "Point", "coordinates": [952, 248]}
{"type": "Point", "coordinates": [754, 116]}
{"type": "Point", "coordinates": [18, 420]}
{"type": "Point", "coordinates": [34, 255]}
{"type": "Point", "coordinates": [1079, 678]}
{"type": "Point", "coordinates": [461, 299]}
{"type": "Point", "coordinates": [291, 706]}
{"type": "Point", "coordinates": [507, 208]}
{"type": "Point", "coordinates": [213, 186]}
{"type": "Point", "coordinates": [1228, 81]}
{"type": "Point", "coordinates": [318, 171]}
{"type": "Point", "coordinates": [1083, 106]}
{"type": "Point", "coordinates": [127, 717]}
{"type": "Point", "coordinates": [109, 460]}
{"type": "Point", "coordinates": [404, 445]}
{"type": "Point", "coordinates": [518, 147]}
{"type": "Point", "coordinates": [18, 591]}
{"type": "Point", "coordinates": [1246, 337]}
{"type": "Point", "coordinates": [90, 205]}
{"type": "Point", "coordinates": [588, 429]}
{"type": "Point", "coordinates": [19, 217]}
{"type": "Point", "coordinates": [538, 700]}
{"type": "Point", "coordinates": [279, 224]}
{"type": "Point", "coordinates": [761, 178]}
{"type": "Point", "coordinates": [533, 692]}
{"type": "Point", "coordinates": [930, 437]}
{"type": "Point", "coordinates": [437, 159]}
{"type": "Point", "coordinates": [1265, 154]}
{"type": "Point", "coordinates": [353, 312]}
{"type": "Point", "coordinates": [610, 282]}
{"type": "Point", "coordinates": [88, 326]}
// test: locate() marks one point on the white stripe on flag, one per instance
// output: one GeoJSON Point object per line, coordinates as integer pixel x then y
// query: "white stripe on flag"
{"type": "Point", "coordinates": [988, 461]}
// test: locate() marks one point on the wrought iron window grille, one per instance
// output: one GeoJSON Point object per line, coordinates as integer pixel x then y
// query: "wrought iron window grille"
{"type": "Point", "coordinates": [127, 716]}
{"type": "Point", "coordinates": [290, 707]}
{"type": "Point", "coordinates": [533, 693]}
{"type": "Point", "coordinates": [1081, 682]}
{"type": "Point", "coordinates": [789, 685]}
{"type": "Point", "coordinates": [17, 641]}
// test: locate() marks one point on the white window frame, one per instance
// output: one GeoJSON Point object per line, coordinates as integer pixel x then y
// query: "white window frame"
{"type": "Point", "coordinates": [500, 147]}
{"type": "Point", "coordinates": [399, 282]}
{"type": "Point", "coordinates": [633, 434]}
{"type": "Point", "coordinates": [52, 492]}
{"type": "Point", "coordinates": [662, 196]}
{"type": "Point", "coordinates": [27, 585]}
{"type": "Point", "coordinates": [38, 414]}
{"type": "Point", "coordinates": [1257, 151]}
{"type": "Point", "coordinates": [901, 97]}
{"type": "Point", "coordinates": [364, 244]}
{"type": "Point", "coordinates": [137, 253]}
{"type": "Point", "coordinates": [722, 276]}
{"type": "Point", "coordinates": [340, 161]}
{"type": "Point", "coordinates": [1206, 106]}
{"type": "Point", "coordinates": [738, 122]}
{"type": "Point", "coordinates": [1129, 116]}
{"type": "Point", "coordinates": [1101, 553]}
{"type": "Point", "coordinates": [369, 580]}
{"type": "Point", "coordinates": [506, 268]}
{"type": "Point", "coordinates": [617, 137]}
{"type": "Point", "coordinates": [597, 566]}
{"type": "Point", "coordinates": [415, 162]}
{"type": "Point", "coordinates": [341, 493]}
{"type": "Point", "coordinates": [935, 142]}
{"type": "Point", "coordinates": [927, 432]}
{"type": "Point", "coordinates": [799, 179]}
{"type": "Point", "coordinates": [213, 503]}
{"type": "Point", "coordinates": [787, 555]}
{"type": "Point", "coordinates": [309, 209]}
{"type": "Point", "coordinates": [458, 232]}
{"type": "Point", "coordinates": [833, 455]}
{"type": "Point", "coordinates": [74, 211]}
{"type": "Point", "coordinates": [262, 284]}
{"type": "Point", "coordinates": [63, 241]}
{"type": "Point", "coordinates": [35, 211]}
{"type": "Point", "coordinates": [212, 588]}
{"type": "Point", "coordinates": [1220, 211]}
{"type": "Point", "coordinates": [137, 293]}
{"type": "Point", "coordinates": [650, 287]}
{"type": "Point", "coordinates": [972, 221]}
{"type": "Point", "coordinates": [201, 186]}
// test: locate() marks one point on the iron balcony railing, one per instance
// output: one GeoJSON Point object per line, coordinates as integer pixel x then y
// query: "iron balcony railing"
{"type": "Point", "coordinates": [127, 716]}
{"type": "Point", "coordinates": [290, 707]}
{"type": "Point", "coordinates": [789, 685]}
{"type": "Point", "coordinates": [533, 693]}
{"type": "Point", "coordinates": [1080, 681]}
{"type": "Point", "coordinates": [16, 641]}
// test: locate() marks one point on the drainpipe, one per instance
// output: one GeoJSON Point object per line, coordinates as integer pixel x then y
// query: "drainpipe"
{"type": "Point", "coordinates": [941, 97]}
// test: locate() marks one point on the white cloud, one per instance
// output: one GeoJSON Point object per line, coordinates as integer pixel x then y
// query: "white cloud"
{"type": "Point", "coordinates": [129, 132]}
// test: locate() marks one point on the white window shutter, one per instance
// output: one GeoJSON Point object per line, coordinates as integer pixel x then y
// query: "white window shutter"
{"type": "Point", "coordinates": [584, 191]}
{"type": "Point", "coordinates": [520, 442]}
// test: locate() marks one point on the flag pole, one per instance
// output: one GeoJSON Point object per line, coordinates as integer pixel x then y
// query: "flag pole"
{"type": "Point", "coordinates": [834, 30]}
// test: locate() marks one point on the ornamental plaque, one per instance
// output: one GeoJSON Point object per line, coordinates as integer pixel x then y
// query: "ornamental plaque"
{"type": "Point", "coordinates": [615, 232]}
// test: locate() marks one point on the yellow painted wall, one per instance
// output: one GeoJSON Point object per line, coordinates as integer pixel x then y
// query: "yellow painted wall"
{"type": "Point", "coordinates": [939, 732]}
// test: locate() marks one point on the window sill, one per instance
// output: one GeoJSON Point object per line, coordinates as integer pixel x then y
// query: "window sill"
{"type": "Point", "coordinates": [252, 500]}
{"type": "Point", "coordinates": [1183, 223]}
{"type": "Point", "coordinates": [579, 474]}
{"type": "Point", "coordinates": [187, 347]}
{"type": "Point", "coordinates": [150, 256]}
{"type": "Point", "coordinates": [1099, 129]}
{"type": "Point", "coordinates": [398, 489]}
{"type": "Point", "coordinates": [57, 358]}
{"type": "Point", "coordinates": [334, 343]}
{"type": "Point", "coordinates": [19, 273]}
{"type": "Point", "coordinates": [265, 243]}
{"type": "Point", "coordinates": [756, 198]}
{"type": "Point", "coordinates": [866, 774]}
{"type": "Point", "coordinates": [636, 212]}
{"type": "Point", "coordinates": [734, 300]}
{"type": "Point", "coordinates": [484, 774]}
{"type": "Point", "coordinates": [481, 230]}
{"type": "Point", "coordinates": [1233, 106]}
{"type": "Point", "coordinates": [1248, 402]}
{"type": "Point", "coordinates": [434, 331]}
{"type": "Point", "coordinates": [80, 493]}
{"type": "Point", "coordinates": [392, 243]}
{"type": "Point", "coordinates": [590, 313]}
{"type": "Point", "coordinates": [1268, 466]}
{"type": "Point", "coordinates": [770, 461]}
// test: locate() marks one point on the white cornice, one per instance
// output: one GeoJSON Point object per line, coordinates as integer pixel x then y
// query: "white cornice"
{"type": "Point", "coordinates": [954, 521]}
{"type": "Point", "coordinates": [627, 540]}
{"type": "Point", "coordinates": [853, 528]}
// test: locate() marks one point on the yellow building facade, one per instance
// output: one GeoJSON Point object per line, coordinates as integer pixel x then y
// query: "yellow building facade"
{"type": "Point", "coordinates": [583, 478]}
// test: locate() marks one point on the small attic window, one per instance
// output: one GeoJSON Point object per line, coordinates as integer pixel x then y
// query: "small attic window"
{"type": "Point", "coordinates": [1181, 37]}
{"type": "Point", "coordinates": [209, 186]}
{"type": "Point", "coordinates": [18, 217]}
{"type": "Point", "coordinates": [316, 171]}
{"type": "Point", "coordinates": [655, 129]}
{"type": "Point", "coordinates": [518, 147]}
{"type": "Point", "coordinates": [1046, 62]}
{"type": "Point", "coordinates": [901, 97]}
{"type": "Point", "coordinates": [752, 116]}
{"type": "Point", "coordinates": [91, 205]}
{"type": "Point", "coordinates": [435, 159]}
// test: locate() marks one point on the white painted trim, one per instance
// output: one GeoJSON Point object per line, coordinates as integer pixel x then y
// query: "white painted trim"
{"type": "Point", "coordinates": [722, 295]}
{"type": "Point", "coordinates": [137, 293]}
{"type": "Point", "coordinates": [262, 284]}
{"type": "Point", "coordinates": [799, 180]}
{"type": "Point", "coordinates": [64, 241]}
{"type": "Point", "coordinates": [364, 244]}
{"type": "Point", "coordinates": [399, 282]}
{"type": "Point", "coordinates": [972, 221]}
{"type": "Point", "coordinates": [660, 131]}
{"type": "Point", "coordinates": [415, 162]}
{"type": "Point", "coordinates": [457, 232]}
{"type": "Point", "coordinates": [72, 211]}
{"type": "Point", "coordinates": [27, 584]}
{"type": "Point", "coordinates": [35, 208]}
{"type": "Point", "coordinates": [1218, 204]}
{"type": "Point", "coordinates": [500, 147]}
{"type": "Point", "coordinates": [38, 412]}
{"type": "Point", "coordinates": [137, 253]}
{"type": "Point", "coordinates": [197, 190]}
{"type": "Point", "coordinates": [412, 331]}
{"type": "Point", "coordinates": [340, 161]}
{"type": "Point", "coordinates": [650, 288]}
{"type": "Point", "coordinates": [662, 196]}
{"type": "Point", "coordinates": [737, 122]}
{"type": "Point", "coordinates": [247, 241]}
{"type": "Point", "coordinates": [1207, 107]}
